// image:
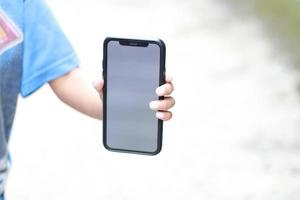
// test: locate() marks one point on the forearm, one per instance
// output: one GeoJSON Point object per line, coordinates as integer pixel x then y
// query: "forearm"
{"type": "Point", "coordinates": [75, 90]}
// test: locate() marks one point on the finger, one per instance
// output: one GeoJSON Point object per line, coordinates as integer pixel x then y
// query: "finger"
{"type": "Point", "coordinates": [162, 105]}
{"type": "Point", "coordinates": [98, 85]}
{"type": "Point", "coordinates": [169, 78]}
{"type": "Point", "coordinates": [165, 89]}
{"type": "Point", "coordinates": [165, 116]}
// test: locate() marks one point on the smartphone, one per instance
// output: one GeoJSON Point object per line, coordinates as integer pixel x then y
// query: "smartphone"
{"type": "Point", "coordinates": [132, 70]}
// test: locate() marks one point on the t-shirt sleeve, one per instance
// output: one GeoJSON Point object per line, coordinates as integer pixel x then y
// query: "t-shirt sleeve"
{"type": "Point", "coordinates": [47, 52]}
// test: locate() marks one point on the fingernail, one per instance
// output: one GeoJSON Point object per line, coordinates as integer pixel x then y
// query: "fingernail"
{"type": "Point", "coordinates": [153, 105]}
{"type": "Point", "coordinates": [160, 91]}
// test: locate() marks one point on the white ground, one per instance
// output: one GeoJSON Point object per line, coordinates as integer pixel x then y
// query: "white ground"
{"type": "Point", "coordinates": [235, 132]}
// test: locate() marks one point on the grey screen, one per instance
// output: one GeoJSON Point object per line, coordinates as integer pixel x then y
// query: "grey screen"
{"type": "Point", "coordinates": [132, 77]}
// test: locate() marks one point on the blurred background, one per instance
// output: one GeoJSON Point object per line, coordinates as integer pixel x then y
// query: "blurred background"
{"type": "Point", "coordinates": [235, 131]}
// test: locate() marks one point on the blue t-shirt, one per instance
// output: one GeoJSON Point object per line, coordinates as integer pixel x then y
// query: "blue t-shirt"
{"type": "Point", "coordinates": [33, 51]}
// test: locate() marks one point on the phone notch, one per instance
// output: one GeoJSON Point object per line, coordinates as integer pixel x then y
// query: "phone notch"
{"type": "Point", "coordinates": [134, 43]}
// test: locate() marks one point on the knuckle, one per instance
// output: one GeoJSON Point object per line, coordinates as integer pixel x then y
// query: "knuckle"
{"type": "Point", "coordinates": [164, 105]}
{"type": "Point", "coordinates": [172, 86]}
{"type": "Point", "coordinates": [168, 89]}
{"type": "Point", "coordinates": [173, 102]}
{"type": "Point", "coordinates": [170, 116]}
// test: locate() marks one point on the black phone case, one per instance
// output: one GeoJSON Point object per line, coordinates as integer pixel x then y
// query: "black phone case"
{"type": "Point", "coordinates": [162, 70]}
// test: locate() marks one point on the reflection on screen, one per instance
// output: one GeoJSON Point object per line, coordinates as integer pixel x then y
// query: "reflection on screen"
{"type": "Point", "coordinates": [132, 77]}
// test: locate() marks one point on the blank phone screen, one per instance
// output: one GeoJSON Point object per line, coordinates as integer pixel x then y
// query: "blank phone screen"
{"type": "Point", "coordinates": [132, 76]}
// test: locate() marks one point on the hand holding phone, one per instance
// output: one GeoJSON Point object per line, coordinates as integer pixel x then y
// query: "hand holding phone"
{"type": "Point", "coordinates": [132, 70]}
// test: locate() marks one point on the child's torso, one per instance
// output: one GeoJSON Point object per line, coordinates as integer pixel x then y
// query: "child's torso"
{"type": "Point", "coordinates": [11, 53]}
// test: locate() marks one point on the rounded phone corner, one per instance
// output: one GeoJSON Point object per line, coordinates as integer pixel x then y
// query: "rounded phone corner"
{"type": "Point", "coordinates": [107, 147]}
{"type": "Point", "coordinates": [156, 152]}
{"type": "Point", "coordinates": [159, 42]}
{"type": "Point", "coordinates": [107, 40]}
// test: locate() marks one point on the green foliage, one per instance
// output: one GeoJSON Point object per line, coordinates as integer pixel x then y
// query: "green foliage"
{"type": "Point", "coordinates": [282, 18]}
{"type": "Point", "coordinates": [283, 14]}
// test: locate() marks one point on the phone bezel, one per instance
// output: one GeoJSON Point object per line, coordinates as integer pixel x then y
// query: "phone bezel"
{"type": "Point", "coordinates": [162, 70]}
